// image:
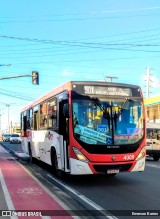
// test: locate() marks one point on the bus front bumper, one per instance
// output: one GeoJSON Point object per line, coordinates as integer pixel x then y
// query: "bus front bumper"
{"type": "Point", "coordinates": [86, 168]}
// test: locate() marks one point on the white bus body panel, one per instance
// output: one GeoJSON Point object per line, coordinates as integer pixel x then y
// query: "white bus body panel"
{"type": "Point", "coordinates": [24, 144]}
{"type": "Point", "coordinates": [41, 142]}
{"type": "Point", "coordinates": [79, 167]}
{"type": "Point", "coordinates": [140, 165]}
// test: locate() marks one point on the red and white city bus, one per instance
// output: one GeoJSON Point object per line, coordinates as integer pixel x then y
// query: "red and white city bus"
{"type": "Point", "coordinates": [87, 128]}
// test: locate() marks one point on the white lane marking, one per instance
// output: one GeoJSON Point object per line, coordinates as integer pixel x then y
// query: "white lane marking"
{"type": "Point", "coordinates": [47, 190]}
{"type": "Point", "coordinates": [30, 191]}
{"type": "Point", "coordinates": [84, 198]}
{"type": "Point", "coordinates": [6, 194]}
{"type": "Point", "coordinates": [153, 165]}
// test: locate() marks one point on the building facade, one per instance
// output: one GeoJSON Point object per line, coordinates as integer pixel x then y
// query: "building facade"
{"type": "Point", "coordinates": [152, 106]}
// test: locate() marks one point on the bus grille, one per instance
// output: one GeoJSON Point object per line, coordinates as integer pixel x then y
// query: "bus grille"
{"type": "Point", "coordinates": [105, 168]}
{"type": "Point", "coordinates": [102, 149]}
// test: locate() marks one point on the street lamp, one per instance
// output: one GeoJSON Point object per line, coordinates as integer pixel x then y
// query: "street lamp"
{"type": "Point", "coordinates": [7, 105]}
{"type": "Point", "coordinates": [111, 77]}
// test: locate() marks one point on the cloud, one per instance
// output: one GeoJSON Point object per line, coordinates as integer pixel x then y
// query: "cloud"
{"type": "Point", "coordinates": [67, 73]}
{"type": "Point", "coordinates": [155, 82]}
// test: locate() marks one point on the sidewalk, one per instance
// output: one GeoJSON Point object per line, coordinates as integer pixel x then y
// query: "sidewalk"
{"type": "Point", "coordinates": [24, 193]}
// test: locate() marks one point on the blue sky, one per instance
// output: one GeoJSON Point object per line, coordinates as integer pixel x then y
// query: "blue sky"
{"type": "Point", "coordinates": [75, 40]}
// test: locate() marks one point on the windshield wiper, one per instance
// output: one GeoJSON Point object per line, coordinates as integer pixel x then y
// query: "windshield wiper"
{"type": "Point", "coordinates": [123, 105]}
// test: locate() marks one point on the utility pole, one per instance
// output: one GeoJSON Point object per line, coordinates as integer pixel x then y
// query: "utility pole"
{"type": "Point", "coordinates": [148, 80]}
{"type": "Point", "coordinates": [111, 77]}
{"type": "Point", "coordinates": [7, 105]}
{"type": "Point", "coordinates": [11, 128]}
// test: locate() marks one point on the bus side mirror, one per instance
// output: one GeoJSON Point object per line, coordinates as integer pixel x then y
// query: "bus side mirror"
{"type": "Point", "coordinates": [66, 110]}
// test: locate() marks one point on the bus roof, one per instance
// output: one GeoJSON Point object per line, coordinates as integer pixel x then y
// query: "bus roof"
{"type": "Point", "coordinates": [68, 86]}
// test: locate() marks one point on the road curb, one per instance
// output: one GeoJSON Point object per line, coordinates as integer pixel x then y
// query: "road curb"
{"type": "Point", "coordinates": [19, 154]}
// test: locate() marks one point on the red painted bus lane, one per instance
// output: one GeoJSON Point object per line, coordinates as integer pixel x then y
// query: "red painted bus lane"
{"type": "Point", "coordinates": [26, 193]}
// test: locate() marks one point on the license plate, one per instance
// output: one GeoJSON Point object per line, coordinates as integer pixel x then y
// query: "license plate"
{"type": "Point", "coordinates": [112, 171]}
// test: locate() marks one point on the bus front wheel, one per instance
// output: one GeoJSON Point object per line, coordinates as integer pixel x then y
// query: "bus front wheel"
{"type": "Point", "coordinates": [54, 161]}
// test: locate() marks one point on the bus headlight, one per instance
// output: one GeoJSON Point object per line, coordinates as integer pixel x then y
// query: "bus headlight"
{"type": "Point", "coordinates": [80, 156]}
{"type": "Point", "coordinates": [141, 154]}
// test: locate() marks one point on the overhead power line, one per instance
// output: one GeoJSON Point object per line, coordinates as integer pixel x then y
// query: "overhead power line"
{"type": "Point", "coordinates": [77, 19]}
{"type": "Point", "coordinates": [91, 15]}
{"type": "Point", "coordinates": [18, 97]}
{"type": "Point", "coordinates": [80, 43]}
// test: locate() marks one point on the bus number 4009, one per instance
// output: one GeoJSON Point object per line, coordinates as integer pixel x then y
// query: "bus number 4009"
{"type": "Point", "coordinates": [128, 157]}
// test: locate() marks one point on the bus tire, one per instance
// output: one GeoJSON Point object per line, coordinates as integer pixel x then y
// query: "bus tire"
{"type": "Point", "coordinates": [155, 157]}
{"type": "Point", "coordinates": [31, 159]}
{"type": "Point", "coordinates": [54, 162]}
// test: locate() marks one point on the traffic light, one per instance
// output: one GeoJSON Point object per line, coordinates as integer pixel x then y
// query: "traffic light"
{"type": "Point", "coordinates": [35, 78]}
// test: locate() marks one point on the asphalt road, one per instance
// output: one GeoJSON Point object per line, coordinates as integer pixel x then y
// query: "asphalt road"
{"type": "Point", "coordinates": [121, 195]}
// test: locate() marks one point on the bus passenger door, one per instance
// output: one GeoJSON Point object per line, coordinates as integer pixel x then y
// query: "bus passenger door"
{"type": "Point", "coordinates": [64, 132]}
{"type": "Point", "coordinates": [24, 132]}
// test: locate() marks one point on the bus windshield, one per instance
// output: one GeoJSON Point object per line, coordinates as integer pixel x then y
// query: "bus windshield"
{"type": "Point", "coordinates": [108, 122]}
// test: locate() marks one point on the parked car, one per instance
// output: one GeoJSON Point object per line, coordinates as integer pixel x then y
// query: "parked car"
{"type": "Point", "coordinates": [6, 137]}
{"type": "Point", "coordinates": [15, 138]}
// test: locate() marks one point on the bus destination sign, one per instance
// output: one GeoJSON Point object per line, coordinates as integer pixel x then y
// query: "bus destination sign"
{"type": "Point", "coordinates": [111, 91]}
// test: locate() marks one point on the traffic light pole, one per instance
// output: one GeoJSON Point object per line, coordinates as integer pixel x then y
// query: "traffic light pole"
{"type": "Point", "coordinates": [34, 75]}
{"type": "Point", "coordinates": [18, 76]}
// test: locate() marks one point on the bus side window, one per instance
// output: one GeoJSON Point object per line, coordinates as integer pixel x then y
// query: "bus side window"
{"type": "Point", "coordinates": [29, 119]}
{"type": "Point", "coordinates": [35, 124]}
{"type": "Point", "coordinates": [35, 118]}
{"type": "Point", "coordinates": [43, 115]}
{"type": "Point", "coordinates": [52, 113]}
{"type": "Point", "coordinates": [23, 123]}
